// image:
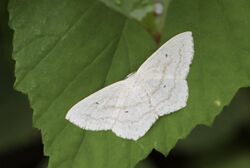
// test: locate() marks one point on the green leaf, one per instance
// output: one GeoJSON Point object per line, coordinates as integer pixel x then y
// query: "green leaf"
{"type": "Point", "coordinates": [66, 50]}
{"type": "Point", "coordinates": [221, 61]}
{"type": "Point", "coordinates": [65, 54]}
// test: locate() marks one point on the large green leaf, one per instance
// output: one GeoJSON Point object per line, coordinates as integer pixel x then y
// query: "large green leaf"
{"type": "Point", "coordinates": [221, 62]}
{"type": "Point", "coordinates": [59, 64]}
{"type": "Point", "coordinates": [66, 50]}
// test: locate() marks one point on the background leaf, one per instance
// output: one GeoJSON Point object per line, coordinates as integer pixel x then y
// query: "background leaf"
{"type": "Point", "coordinates": [136, 9]}
{"type": "Point", "coordinates": [66, 50]}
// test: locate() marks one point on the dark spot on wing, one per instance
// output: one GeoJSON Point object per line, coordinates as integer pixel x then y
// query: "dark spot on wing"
{"type": "Point", "coordinates": [96, 102]}
{"type": "Point", "coordinates": [166, 55]}
{"type": "Point", "coordinates": [126, 111]}
{"type": "Point", "coordinates": [164, 86]}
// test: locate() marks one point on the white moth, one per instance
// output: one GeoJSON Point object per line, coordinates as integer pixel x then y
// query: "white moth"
{"type": "Point", "coordinates": [131, 106]}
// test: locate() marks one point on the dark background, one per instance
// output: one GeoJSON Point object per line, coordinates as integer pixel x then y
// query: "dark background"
{"type": "Point", "coordinates": [225, 144]}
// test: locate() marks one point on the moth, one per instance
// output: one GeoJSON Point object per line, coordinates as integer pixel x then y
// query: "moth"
{"type": "Point", "coordinates": [131, 106]}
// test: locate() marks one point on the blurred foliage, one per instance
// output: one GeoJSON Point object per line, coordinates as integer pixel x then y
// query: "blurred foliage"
{"type": "Point", "coordinates": [235, 160]}
{"type": "Point", "coordinates": [15, 114]}
{"type": "Point", "coordinates": [224, 129]}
